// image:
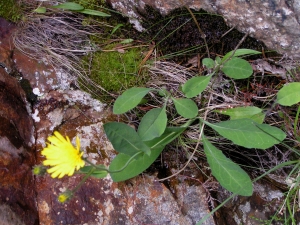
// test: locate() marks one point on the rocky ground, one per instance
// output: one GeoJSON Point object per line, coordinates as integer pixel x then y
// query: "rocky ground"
{"type": "Point", "coordinates": [35, 100]}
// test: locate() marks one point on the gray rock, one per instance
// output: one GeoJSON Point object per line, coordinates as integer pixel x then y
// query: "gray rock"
{"type": "Point", "coordinates": [275, 22]}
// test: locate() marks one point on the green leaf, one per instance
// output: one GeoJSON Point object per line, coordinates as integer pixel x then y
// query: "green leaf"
{"type": "Point", "coordinates": [258, 118]}
{"type": "Point", "coordinates": [168, 136]}
{"type": "Point", "coordinates": [126, 41]}
{"type": "Point", "coordinates": [142, 162]}
{"type": "Point", "coordinates": [129, 99]}
{"type": "Point", "coordinates": [289, 94]}
{"type": "Point", "coordinates": [237, 68]}
{"type": "Point", "coordinates": [97, 173]}
{"type": "Point", "coordinates": [230, 175]}
{"type": "Point", "coordinates": [218, 60]}
{"type": "Point", "coordinates": [240, 52]}
{"type": "Point", "coordinates": [40, 10]}
{"type": "Point", "coordinates": [247, 133]}
{"type": "Point", "coordinates": [153, 124]}
{"type": "Point", "coordinates": [250, 112]}
{"type": "Point", "coordinates": [69, 6]}
{"type": "Point", "coordinates": [186, 107]}
{"type": "Point", "coordinates": [208, 62]}
{"type": "Point", "coordinates": [135, 167]}
{"type": "Point", "coordinates": [116, 28]}
{"type": "Point", "coordinates": [94, 12]}
{"type": "Point", "coordinates": [124, 138]}
{"type": "Point", "coordinates": [195, 86]}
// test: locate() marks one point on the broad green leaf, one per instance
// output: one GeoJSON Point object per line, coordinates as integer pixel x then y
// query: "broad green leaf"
{"type": "Point", "coordinates": [142, 162]}
{"type": "Point", "coordinates": [218, 60]}
{"type": "Point", "coordinates": [40, 10]}
{"type": "Point", "coordinates": [258, 118]}
{"type": "Point", "coordinates": [94, 12]}
{"type": "Point", "coordinates": [124, 138]}
{"type": "Point", "coordinates": [208, 62]}
{"type": "Point", "coordinates": [153, 124]}
{"type": "Point", "coordinates": [250, 112]}
{"type": "Point", "coordinates": [237, 68]}
{"type": "Point", "coordinates": [97, 173]}
{"type": "Point", "coordinates": [289, 94]}
{"type": "Point", "coordinates": [135, 167]}
{"type": "Point", "coordinates": [168, 136]}
{"type": "Point", "coordinates": [129, 99]}
{"type": "Point", "coordinates": [186, 107]}
{"type": "Point", "coordinates": [240, 52]}
{"type": "Point", "coordinates": [69, 6]}
{"type": "Point", "coordinates": [247, 133]}
{"type": "Point", "coordinates": [230, 175]}
{"type": "Point", "coordinates": [195, 86]}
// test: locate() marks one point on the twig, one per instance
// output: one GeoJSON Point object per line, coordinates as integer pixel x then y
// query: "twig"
{"type": "Point", "coordinates": [198, 26]}
{"type": "Point", "coordinates": [195, 149]}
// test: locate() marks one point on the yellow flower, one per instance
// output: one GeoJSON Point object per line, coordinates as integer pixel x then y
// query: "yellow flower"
{"type": "Point", "coordinates": [65, 196]}
{"type": "Point", "coordinates": [62, 156]}
{"type": "Point", "coordinates": [39, 170]}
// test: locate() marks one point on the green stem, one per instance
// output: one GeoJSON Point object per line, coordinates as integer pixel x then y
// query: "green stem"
{"type": "Point", "coordinates": [83, 180]}
{"type": "Point", "coordinates": [116, 171]}
{"type": "Point", "coordinates": [95, 166]}
{"type": "Point", "coordinates": [126, 164]}
{"type": "Point", "coordinates": [296, 122]}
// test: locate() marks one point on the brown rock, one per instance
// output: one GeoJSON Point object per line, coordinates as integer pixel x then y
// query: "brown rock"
{"type": "Point", "coordinates": [6, 46]}
{"type": "Point", "coordinates": [141, 200]}
{"type": "Point", "coordinates": [16, 155]}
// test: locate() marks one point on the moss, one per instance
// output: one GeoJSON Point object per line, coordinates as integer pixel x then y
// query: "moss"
{"type": "Point", "coordinates": [115, 71]}
{"type": "Point", "coordinates": [10, 10]}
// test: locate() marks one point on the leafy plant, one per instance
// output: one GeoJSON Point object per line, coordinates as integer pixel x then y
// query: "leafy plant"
{"type": "Point", "coordinates": [137, 150]}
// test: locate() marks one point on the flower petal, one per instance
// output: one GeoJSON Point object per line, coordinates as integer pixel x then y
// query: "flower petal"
{"type": "Point", "coordinates": [62, 156]}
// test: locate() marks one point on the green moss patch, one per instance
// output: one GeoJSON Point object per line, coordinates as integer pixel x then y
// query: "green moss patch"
{"type": "Point", "coordinates": [10, 10]}
{"type": "Point", "coordinates": [116, 71]}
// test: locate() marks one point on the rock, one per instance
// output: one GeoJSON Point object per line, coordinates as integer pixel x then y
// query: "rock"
{"type": "Point", "coordinates": [16, 152]}
{"type": "Point", "coordinates": [139, 200]}
{"type": "Point", "coordinates": [254, 210]}
{"type": "Point", "coordinates": [6, 47]}
{"type": "Point", "coordinates": [275, 22]}
{"type": "Point", "coordinates": [8, 217]}
{"type": "Point", "coordinates": [43, 78]}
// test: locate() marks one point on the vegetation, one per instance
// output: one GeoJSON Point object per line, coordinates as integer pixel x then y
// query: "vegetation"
{"type": "Point", "coordinates": [10, 10]}
{"type": "Point", "coordinates": [116, 71]}
{"type": "Point", "coordinates": [217, 99]}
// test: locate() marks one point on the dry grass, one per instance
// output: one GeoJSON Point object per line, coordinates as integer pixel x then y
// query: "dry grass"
{"type": "Point", "coordinates": [58, 38]}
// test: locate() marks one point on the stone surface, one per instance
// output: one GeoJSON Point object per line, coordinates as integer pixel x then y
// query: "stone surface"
{"type": "Point", "coordinates": [17, 195]}
{"type": "Point", "coordinates": [25, 125]}
{"type": "Point", "coordinates": [254, 210]}
{"type": "Point", "coordinates": [141, 200]}
{"type": "Point", "coordinates": [275, 22]}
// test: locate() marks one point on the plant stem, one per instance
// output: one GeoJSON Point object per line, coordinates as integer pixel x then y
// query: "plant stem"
{"type": "Point", "coordinates": [296, 122]}
{"type": "Point", "coordinates": [83, 180]}
{"type": "Point", "coordinates": [199, 28]}
{"type": "Point", "coordinates": [116, 171]}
